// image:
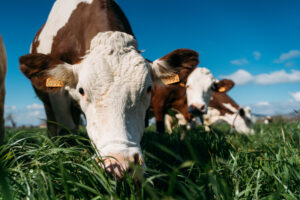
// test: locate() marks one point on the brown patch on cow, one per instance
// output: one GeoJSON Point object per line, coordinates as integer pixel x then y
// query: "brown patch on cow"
{"type": "Point", "coordinates": [174, 95]}
{"type": "Point", "coordinates": [164, 98]}
{"type": "Point", "coordinates": [182, 58]}
{"type": "Point", "coordinates": [73, 40]}
{"type": "Point", "coordinates": [36, 41]}
{"type": "Point", "coordinates": [218, 101]}
{"type": "Point", "coordinates": [224, 85]}
{"type": "Point", "coordinates": [36, 68]}
{"type": "Point", "coordinates": [3, 69]}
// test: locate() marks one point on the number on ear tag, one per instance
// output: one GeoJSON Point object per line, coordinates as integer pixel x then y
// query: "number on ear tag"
{"type": "Point", "coordinates": [50, 82]}
{"type": "Point", "coordinates": [171, 79]}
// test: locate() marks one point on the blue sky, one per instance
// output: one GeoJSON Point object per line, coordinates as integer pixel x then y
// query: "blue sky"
{"type": "Point", "coordinates": [254, 42]}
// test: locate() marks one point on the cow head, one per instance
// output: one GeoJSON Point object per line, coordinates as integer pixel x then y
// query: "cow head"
{"type": "Point", "coordinates": [112, 85]}
{"type": "Point", "coordinates": [242, 121]}
{"type": "Point", "coordinates": [199, 88]}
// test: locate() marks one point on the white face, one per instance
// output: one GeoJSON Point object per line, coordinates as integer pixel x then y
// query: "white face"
{"type": "Point", "coordinates": [240, 120]}
{"type": "Point", "coordinates": [113, 90]}
{"type": "Point", "coordinates": [243, 124]}
{"type": "Point", "coordinates": [199, 88]}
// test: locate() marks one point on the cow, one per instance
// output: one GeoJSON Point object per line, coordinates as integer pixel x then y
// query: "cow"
{"type": "Point", "coordinates": [3, 69]}
{"type": "Point", "coordinates": [222, 108]}
{"type": "Point", "coordinates": [268, 119]}
{"type": "Point", "coordinates": [189, 96]}
{"type": "Point", "coordinates": [85, 58]}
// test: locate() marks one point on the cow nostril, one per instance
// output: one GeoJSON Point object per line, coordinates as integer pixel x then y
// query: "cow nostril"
{"type": "Point", "coordinates": [197, 109]}
{"type": "Point", "coordinates": [202, 108]}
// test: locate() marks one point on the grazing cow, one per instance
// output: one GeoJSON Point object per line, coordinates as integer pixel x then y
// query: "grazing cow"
{"type": "Point", "coordinates": [3, 68]}
{"type": "Point", "coordinates": [222, 108]}
{"type": "Point", "coordinates": [189, 96]}
{"type": "Point", "coordinates": [268, 119]}
{"type": "Point", "coordinates": [87, 47]}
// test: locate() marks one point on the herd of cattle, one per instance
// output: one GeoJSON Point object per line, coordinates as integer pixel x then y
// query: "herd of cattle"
{"type": "Point", "coordinates": [85, 59]}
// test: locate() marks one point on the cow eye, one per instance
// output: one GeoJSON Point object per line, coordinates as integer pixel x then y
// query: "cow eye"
{"type": "Point", "coordinates": [149, 89]}
{"type": "Point", "coordinates": [81, 91]}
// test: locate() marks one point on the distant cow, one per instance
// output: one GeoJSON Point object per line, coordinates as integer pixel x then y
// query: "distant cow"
{"type": "Point", "coordinates": [88, 48]}
{"type": "Point", "coordinates": [268, 119]}
{"type": "Point", "coordinates": [3, 68]}
{"type": "Point", "coordinates": [222, 108]}
{"type": "Point", "coordinates": [189, 96]}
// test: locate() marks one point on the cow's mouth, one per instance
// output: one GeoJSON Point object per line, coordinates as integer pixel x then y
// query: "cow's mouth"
{"type": "Point", "coordinates": [197, 111]}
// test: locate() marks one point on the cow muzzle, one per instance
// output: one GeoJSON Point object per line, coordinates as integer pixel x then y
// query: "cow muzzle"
{"type": "Point", "coordinates": [197, 109]}
{"type": "Point", "coordinates": [117, 164]}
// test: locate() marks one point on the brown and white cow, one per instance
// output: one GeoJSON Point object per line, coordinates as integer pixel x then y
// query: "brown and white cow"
{"type": "Point", "coordinates": [190, 96]}
{"type": "Point", "coordinates": [3, 69]}
{"type": "Point", "coordinates": [88, 48]}
{"type": "Point", "coordinates": [222, 108]}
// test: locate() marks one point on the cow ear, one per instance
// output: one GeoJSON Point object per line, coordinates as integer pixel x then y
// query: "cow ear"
{"type": "Point", "coordinates": [223, 86]}
{"type": "Point", "coordinates": [47, 73]}
{"type": "Point", "coordinates": [168, 67]}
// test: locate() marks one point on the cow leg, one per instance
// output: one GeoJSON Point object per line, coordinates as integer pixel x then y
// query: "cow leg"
{"type": "Point", "coordinates": [160, 122]}
{"type": "Point", "coordinates": [206, 123]}
{"type": "Point", "coordinates": [51, 121]}
{"type": "Point", "coordinates": [183, 116]}
{"type": "Point", "coordinates": [2, 129]}
{"type": "Point", "coordinates": [169, 123]}
{"type": "Point", "coordinates": [61, 104]}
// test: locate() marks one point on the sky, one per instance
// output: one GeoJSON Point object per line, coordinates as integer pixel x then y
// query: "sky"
{"type": "Point", "coordinates": [253, 42]}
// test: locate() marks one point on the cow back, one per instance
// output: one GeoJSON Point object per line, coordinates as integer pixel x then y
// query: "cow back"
{"type": "Point", "coordinates": [71, 41]}
{"type": "Point", "coordinates": [223, 103]}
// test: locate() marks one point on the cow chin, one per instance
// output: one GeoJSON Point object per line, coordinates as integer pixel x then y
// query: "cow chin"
{"type": "Point", "coordinates": [118, 163]}
{"type": "Point", "coordinates": [116, 140]}
{"type": "Point", "coordinates": [119, 156]}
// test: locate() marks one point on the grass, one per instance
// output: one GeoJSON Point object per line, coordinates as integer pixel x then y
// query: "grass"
{"type": "Point", "coordinates": [215, 165]}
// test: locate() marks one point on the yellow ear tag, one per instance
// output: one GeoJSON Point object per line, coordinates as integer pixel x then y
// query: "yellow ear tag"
{"type": "Point", "coordinates": [182, 84]}
{"type": "Point", "coordinates": [222, 89]}
{"type": "Point", "coordinates": [171, 79]}
{"type": "Point", "coordinates": [52, 83]}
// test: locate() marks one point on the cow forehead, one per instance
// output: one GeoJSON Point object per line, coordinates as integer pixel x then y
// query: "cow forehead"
{"type": "Point", "coordinates": [113, 60]}
{"type": "Point", "coordinates": [201, 78]}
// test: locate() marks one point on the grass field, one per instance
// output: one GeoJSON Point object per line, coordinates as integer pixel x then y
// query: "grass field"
{"type": "Point", "coordinates": [215, 165]}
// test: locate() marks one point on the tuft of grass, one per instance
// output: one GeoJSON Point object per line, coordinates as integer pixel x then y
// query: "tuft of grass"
{"type": "Point", "coordinates": [214, 165]}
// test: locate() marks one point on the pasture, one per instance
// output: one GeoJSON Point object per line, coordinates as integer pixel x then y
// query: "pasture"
{"type": "Point", "coordinates": [215, 165]}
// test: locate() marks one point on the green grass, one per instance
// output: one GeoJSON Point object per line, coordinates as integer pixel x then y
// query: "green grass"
{"type": "Point", "coordinates": [215, 165]}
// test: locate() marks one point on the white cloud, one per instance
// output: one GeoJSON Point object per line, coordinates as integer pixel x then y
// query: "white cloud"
{"type": "Point", "coordinates": [256, 55]}
{"type": "Point", "coordinates": [289, 64]}
{"type": "Point", "coordinates": [278, 77]}
{"type": "Point", "coordinates": [35, 106]}
{"type": "Point", "coordinates": [10, 108]}
{"type": "Point", "coordinates": [241, 77]}
{"type": "Point", "coordinates": [288, 56]}
{"type": "Point", "coordinates": [30, 115]}
{"type": "Point", "coordinates": [274, 108]}
{"type": "Point", "coordinates": [264, 103]}
{"type": "Point", "coordinates": [239, 62]}
{"type": "Point", "coordinates": [296, 96]}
